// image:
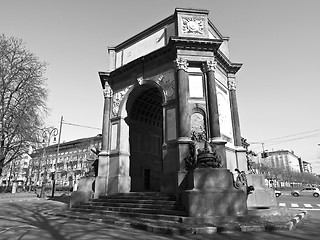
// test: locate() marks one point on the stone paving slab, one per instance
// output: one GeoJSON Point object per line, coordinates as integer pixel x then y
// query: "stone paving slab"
{"type": "Point", "coordinates": [51, 227]}
{"type": "Point", "coordinates": [178, 228]}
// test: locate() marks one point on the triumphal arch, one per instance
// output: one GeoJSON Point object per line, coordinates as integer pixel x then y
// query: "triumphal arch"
{"type": "Point", "coordinates": [170, 120]}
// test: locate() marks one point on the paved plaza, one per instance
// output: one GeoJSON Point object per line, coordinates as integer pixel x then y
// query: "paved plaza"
{"type": "Point", "coordinates": [25, 218]}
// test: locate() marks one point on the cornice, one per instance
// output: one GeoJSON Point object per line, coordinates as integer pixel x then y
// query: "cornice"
{"type": "Point", "coordinates": [192, 43]}
{"type": "Point", "coordinates": [104, 76]}
{"type": "Point", "coordinates": [226, 64]}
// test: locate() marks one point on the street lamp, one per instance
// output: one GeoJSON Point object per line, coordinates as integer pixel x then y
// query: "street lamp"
{"type": "Point", "coordinates": [56, 161]}
{"type": "Point", "coordinates": [47, 133]}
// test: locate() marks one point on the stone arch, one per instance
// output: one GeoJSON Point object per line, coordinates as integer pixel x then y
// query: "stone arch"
{"type": "Point", "coordinates": [143, 113]}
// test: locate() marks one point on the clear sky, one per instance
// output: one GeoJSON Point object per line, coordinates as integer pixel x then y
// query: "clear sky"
{"type": "Point", "coordinates": [277, 41]}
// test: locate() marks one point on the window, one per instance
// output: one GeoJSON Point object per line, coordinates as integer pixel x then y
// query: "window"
{"type": "Point", "coordinates": [196, 86]}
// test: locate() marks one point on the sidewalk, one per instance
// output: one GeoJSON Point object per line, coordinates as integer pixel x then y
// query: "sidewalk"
{"type": "Point", "coordinates": [25, 196]}
{"type": "Point", "coordinates": [25, 220]}
{"type": "Point", "coordinates": [11, 197]}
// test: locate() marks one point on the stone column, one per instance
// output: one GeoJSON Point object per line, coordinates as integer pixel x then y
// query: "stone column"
{"type": "Point", "coordinates": [234, 110]}
{"type": "Point", "coordinates": [239, 149]}
{"type": "Point", "coordinates": [183, 119]}
{"type": "Point", "coordinates": [101, 183]}
{"type": "Point", "coordinates": [217, 143]}
{"type": "Point", "coordinates": [183, 96]}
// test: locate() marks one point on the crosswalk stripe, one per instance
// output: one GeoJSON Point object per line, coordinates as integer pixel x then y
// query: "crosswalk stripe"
{"type": "Point", "coordinates": [308, 205]}
{"type": "Point", "coordinates": [295, 205]}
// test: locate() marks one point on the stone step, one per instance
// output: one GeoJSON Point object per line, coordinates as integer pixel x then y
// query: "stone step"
{"type": "Point", "coordinates": [128, 214]}
{"type": "Point", "coordinates": [133, 201]}
{"type": "Point", "coordinates": [130, 210]}
{"type": "Point", "coordinates": [138, 197]}
{"type": "Point", "coordinates": [151, 205]}
{"type": "Point", "coordinates": [142, 194]}
{"type": "Point", "coordinates": [160, 224]}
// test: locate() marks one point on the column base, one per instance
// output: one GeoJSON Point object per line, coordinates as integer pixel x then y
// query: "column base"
{"type": "Point", "coordinates": [218, 145]}
{"type": "Point", "coordinates": [213, 194]}
{"type": "Point", "coordinates": [241, 157]}
{"type": "Point", "coordinates": [101, 185]}
{"type": "Point", "coordinates": [84, 192]}
{"type": "Point", "coordinates": [119, 184]}
{"type": "Point", "coordinates": [215, 202]}
{"type": "Point", "coordinates": [262, 196]}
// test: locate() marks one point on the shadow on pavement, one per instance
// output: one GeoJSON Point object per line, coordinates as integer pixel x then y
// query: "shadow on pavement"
{"type": "Point", "coordinates": [30, 216]}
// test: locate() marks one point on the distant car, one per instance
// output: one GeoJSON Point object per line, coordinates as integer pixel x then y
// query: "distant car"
{"type": "Point", "coordinates": [277, 193]}
{"type": "Point", "coordinates": [307, 191]}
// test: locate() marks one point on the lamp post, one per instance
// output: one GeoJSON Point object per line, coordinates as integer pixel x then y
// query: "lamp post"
{"type": "Point", "coordinates": [47, 133]}
{"type": "Point", "coordinates": [56, 161]}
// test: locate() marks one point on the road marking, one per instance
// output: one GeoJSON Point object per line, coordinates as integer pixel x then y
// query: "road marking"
{"type": "Point", "coordinates": [282, 204]}
{"type": "Point", "coordinates": [318, 205]}
{"type": "Point", "coordinates": [294, 205]}
{"type": "Point", "coordinates": [308, 205]}
{"type": "Point", "coordinates": [309, 209]}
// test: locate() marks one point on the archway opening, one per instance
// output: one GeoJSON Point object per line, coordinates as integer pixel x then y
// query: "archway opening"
{"type": "Point", "coordinates": [145, 137]}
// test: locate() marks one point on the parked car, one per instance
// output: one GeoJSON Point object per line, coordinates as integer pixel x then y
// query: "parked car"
{"type": "Point", "coordinates": [307, 191]}
{"type": "Point", "coordinates": [277, 193]}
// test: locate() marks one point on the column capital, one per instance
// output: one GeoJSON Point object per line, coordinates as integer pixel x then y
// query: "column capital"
{"type": "Point", "coordinates": [181, 64]}
{"type": "Point", "coordinates": [107, 91]}
{"type": "Point", "coordinates": [232, 85]}
{"type": "Point", "coordinates": [209, 65]}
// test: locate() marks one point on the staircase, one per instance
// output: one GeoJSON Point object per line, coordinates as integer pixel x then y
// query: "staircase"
{"type": "Point", "coordinates": [136, 209]}
{"type": "Point", "coordinates": [150, 211]}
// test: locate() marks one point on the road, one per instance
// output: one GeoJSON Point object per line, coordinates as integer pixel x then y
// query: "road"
{"type": "Point", "coordinates": [24, 220]}
{"type": "Point", "coordinates": [308, 203]}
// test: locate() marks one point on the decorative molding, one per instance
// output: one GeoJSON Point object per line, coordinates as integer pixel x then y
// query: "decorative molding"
{"type": "Point", "coordinates": [210, 65]}
{"type": "Point", "coordinates": [107, 91]}
{"type": "Point", "coordinates": [232, 85]}
{"type": "Point", "coordinates": [192, 25]}
{"type": "Point", "coordinates": [181, 64]}
{"type": "Point", "coordinates": [117, 98]}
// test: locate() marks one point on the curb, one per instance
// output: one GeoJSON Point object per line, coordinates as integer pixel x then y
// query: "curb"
{"type": "Point", "coordinates": [150, 227]}
{"type": "Point", "coordinates": [10, 200]}
{"type": "Point", "coordinates": [293, 222]}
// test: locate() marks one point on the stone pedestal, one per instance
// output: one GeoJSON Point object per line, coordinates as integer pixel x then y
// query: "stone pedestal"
{"type": "Point", "coordinates": [212, 193]}
{"type": "Point", "coordinates": [262, 197]}
{"type": "Point", "coordinates": [84, 192]}
{"type": "Point", "coordinates": [119, 184]}
{"type": "Point", "coordinates": [101, 185]}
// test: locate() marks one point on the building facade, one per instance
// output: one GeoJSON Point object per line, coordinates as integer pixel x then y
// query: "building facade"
{"type": "Point", "coordinates": [73, 162]}
{"type": "Point", "coordinates": [306, 167]}
{"type": "Point", "coordinates": [16, 171]}
{"type": "Point", "coordinates": [283, 159]}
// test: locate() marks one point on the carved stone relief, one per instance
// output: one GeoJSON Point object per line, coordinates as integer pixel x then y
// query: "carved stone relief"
{"type": "Point", "coordinates": [117, 98]}
{"type": "Point", "coordinates": [166, 81]}
{"type": "Point", "coordinates": [193, 25]}
{"type": "Point", "coordinates": [232, 85]}
{"type": "Point", "coordinates": [107, 91]}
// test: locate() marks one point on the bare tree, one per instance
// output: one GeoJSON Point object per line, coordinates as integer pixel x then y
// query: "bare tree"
{"type": "Point", "coordinates": [23, 95]}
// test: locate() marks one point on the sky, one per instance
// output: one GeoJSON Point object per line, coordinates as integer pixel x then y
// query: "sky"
{"type": "Point", "coordinates": [277, 42]}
